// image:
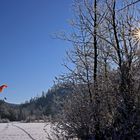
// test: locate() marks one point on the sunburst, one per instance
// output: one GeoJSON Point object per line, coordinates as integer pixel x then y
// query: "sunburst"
{"type": "Point", "coordinates": [136, 34]}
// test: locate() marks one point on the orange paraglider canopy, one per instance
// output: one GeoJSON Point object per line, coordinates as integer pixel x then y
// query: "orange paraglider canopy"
{"type": "Point", "coordinates": [2, 87]}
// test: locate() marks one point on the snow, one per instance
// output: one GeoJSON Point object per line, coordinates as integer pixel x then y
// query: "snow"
{"type": "Point", "coordinates": [24, 131]}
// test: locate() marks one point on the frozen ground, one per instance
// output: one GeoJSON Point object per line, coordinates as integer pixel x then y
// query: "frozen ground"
{"type": "Point", "coordinates": [23, 131]}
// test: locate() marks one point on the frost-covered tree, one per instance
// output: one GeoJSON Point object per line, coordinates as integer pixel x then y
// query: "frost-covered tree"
{"type": "Point", "coordinates": [104, 99]}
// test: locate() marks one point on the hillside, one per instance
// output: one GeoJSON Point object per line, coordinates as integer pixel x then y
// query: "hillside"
{"type": "Point", "coordinates": [36, 108]}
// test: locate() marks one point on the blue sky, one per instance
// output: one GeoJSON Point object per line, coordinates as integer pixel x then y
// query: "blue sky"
{"type": "Point", "coordinates": [29, 57]}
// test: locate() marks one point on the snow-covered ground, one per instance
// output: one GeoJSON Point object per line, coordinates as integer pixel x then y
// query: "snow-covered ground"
{"type": "Point", "coordinates": [23, 131]}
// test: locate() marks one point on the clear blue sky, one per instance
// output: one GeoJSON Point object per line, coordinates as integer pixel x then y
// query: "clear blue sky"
{"type": "Point", "coordinates": [29, 57]}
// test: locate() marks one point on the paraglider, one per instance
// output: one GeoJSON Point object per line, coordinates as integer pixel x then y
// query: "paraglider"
{"type": "Point", "coordinates": [2, 87]}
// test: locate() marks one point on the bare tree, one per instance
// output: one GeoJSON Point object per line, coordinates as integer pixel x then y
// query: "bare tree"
{"type": "Point", "coordinates": [104, 99]}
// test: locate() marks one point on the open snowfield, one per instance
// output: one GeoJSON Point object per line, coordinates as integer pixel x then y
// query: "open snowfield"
{"type": "Point", "coordinates": [23, 131]}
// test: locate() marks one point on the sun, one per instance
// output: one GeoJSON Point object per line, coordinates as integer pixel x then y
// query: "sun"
{"type": "Point", "coordinates": [136, 34]}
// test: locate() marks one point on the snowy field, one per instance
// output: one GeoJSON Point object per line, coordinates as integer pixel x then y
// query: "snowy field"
{"type": "Point", "coordinates": [23, 131]}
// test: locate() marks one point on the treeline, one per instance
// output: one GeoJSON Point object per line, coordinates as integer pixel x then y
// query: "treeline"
{"type": "Point", "coordinates": [8, 112]}
{"type": "Point", "coordinates": [38, 108]}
